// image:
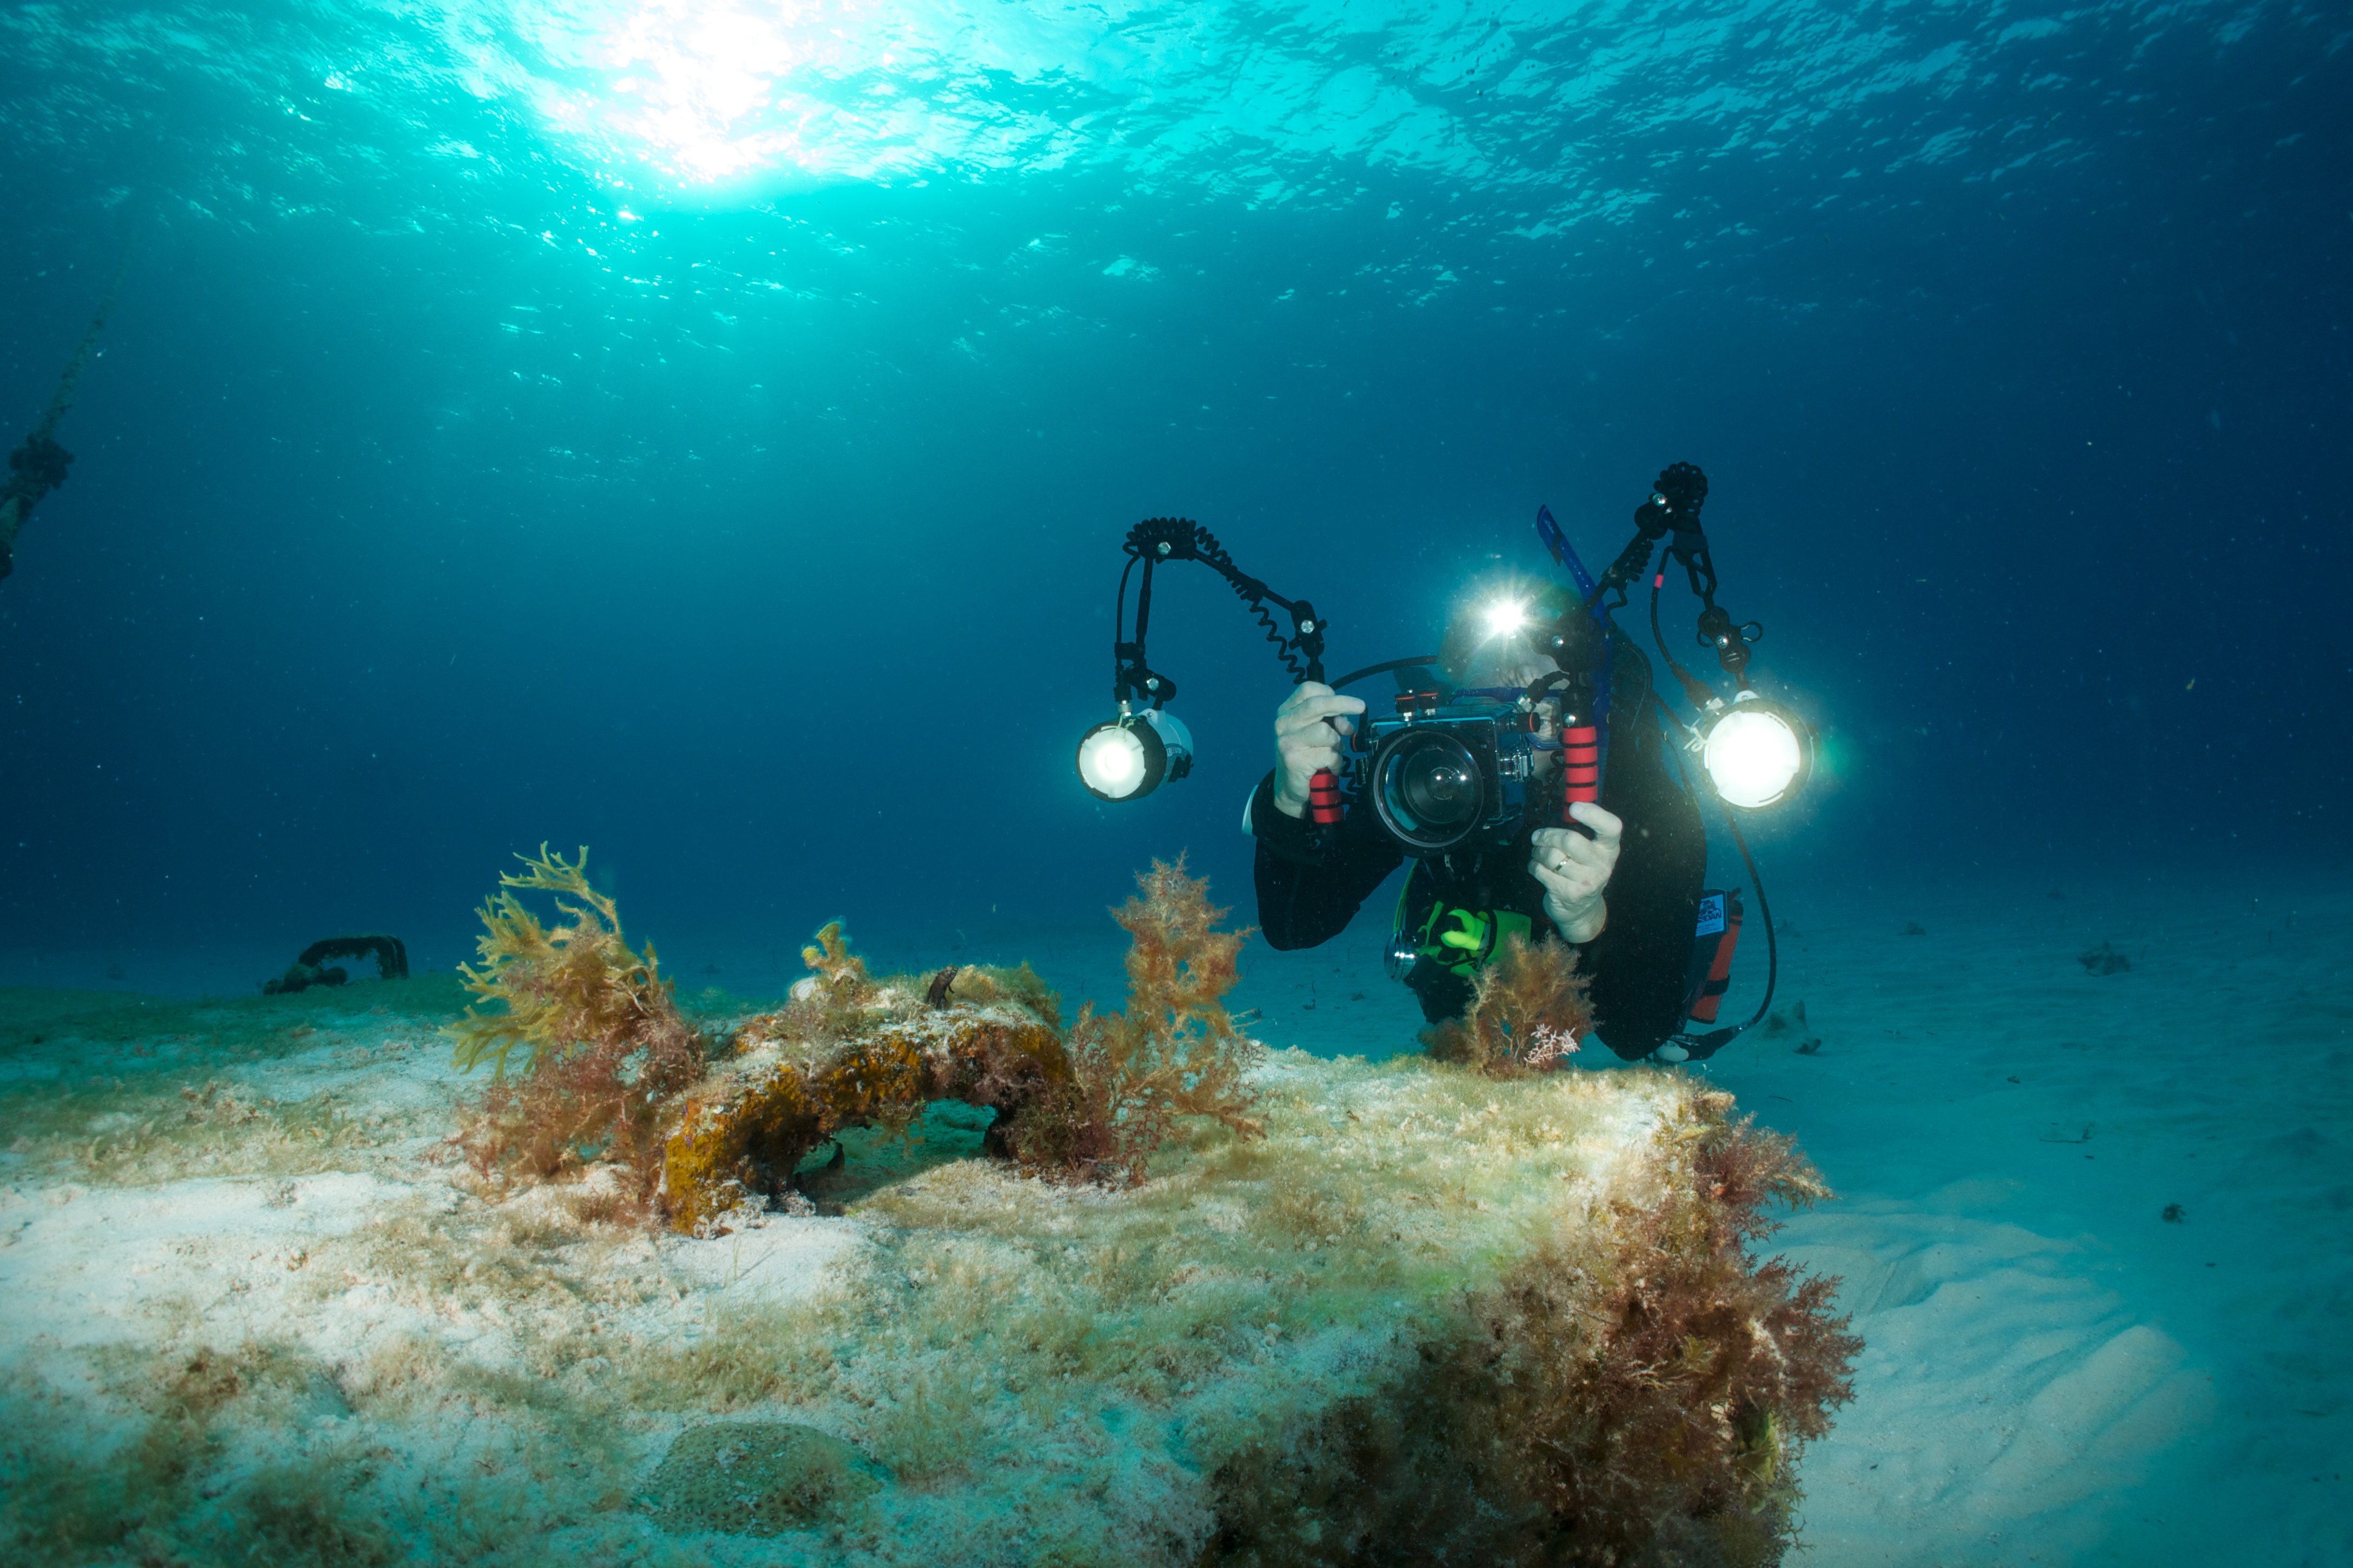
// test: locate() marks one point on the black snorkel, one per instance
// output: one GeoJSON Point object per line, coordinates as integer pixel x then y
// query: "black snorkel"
{"type": "Point", "coordinates": [1579, 642]}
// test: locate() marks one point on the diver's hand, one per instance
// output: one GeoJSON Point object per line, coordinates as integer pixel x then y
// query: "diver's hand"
{"type": "Point", "coordinates": [1308, 730]}
{"type": "Point", "coordinates": [1574, 870]}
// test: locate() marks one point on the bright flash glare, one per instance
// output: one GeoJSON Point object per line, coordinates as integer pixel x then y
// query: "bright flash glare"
{"type": "Point", "coordinates": [1112, 761]}
{"type": "Point", "coordinates": [1505, 617]}
{"type": "Point", "coordinates": [1751, 758]}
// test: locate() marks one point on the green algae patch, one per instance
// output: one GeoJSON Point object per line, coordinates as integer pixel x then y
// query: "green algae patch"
{"type": "Point", "coordinates": [1420, 1314]}
{"type": "Point", "coordinates": [756, 1477]}
{"type": "Point", "coordinates": [1424, 1315]}
{"type": "Point", "coordinates": [117, 1087]}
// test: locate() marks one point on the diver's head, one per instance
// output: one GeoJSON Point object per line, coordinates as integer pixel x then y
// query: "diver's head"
{"type": "Point", "coordinates": [1492, 632]}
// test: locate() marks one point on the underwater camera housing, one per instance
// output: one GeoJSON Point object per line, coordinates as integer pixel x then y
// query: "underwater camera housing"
{"type": "Point", "coordinates": [1445, 774]}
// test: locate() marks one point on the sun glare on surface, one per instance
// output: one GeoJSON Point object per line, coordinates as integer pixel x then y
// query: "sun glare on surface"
{"type": "Point", "coordinates": [720, 98]}
{"type": "Point", "coordinates": [712, 90]}
{"type": "Point", "coordinates": [745, 95]}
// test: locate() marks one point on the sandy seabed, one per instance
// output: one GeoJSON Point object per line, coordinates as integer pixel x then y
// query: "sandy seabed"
{"type": "Point", "coordinates": [2055, 1371]}
{"type": "Point", "coordinates": [2091, 1226]}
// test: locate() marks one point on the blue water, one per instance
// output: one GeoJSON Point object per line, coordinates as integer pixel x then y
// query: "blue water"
{"type": "Point", "coordinates": [705, 431]}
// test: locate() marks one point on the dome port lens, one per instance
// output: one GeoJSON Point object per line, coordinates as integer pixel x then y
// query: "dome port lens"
{"type": "Point", "coordinates": [1427, 789]}
{"type": "Point", "coordinates": [1440, 789]}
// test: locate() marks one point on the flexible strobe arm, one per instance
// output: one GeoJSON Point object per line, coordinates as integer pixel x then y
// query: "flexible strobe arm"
{"type": "Point", "coordinates": [1159, 538]}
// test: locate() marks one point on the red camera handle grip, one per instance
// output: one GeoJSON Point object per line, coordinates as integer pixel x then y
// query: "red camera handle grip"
{"type": "Point", "coordinates": [1580, 761]}
{"type": "Point", "coordinates": [1324, 798]}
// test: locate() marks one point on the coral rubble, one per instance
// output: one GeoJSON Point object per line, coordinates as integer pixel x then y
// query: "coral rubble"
{"type": "Point", "coordinates": [391, 954]}
{"type": "Point", "coordinates": [798, 1077]}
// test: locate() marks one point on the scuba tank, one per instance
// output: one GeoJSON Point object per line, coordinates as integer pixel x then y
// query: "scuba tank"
{"type": "Point", "coordinates": [1713, 943]}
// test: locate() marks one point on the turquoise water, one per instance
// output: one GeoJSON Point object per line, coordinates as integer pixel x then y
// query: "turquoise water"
{"type": "Point", "coordinates": [705, 432]}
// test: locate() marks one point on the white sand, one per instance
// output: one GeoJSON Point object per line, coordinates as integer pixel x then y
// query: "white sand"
{"type": "Point", "coordinates": [2054, 1373]}
{"type": "Point", "coordinates": [287, 1259]}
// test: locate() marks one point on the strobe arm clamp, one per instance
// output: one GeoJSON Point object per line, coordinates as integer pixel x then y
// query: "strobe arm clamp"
{"type": "Point", "coordinates": [1578, 640]}
{"type": "Point", "coordinates": [1730, 642]}
{"type": "Point", "coordinates": [1156, 539]}
{"type": "Point", "coordinates": [1680, 493]}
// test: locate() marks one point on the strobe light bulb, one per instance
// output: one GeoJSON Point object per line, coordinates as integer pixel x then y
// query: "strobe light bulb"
{"type": "Point", "coordinates": [1756, 753]}
{"type": "Point", "coordinates": [1128, 757]}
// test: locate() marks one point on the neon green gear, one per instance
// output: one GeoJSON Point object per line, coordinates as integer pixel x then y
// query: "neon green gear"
{"type": "Point", "coordinates": [1458, 940]}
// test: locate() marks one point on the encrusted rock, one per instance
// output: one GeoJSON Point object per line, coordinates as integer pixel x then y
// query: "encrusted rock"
{"type": "Point", "coordinates": [746, 1126]}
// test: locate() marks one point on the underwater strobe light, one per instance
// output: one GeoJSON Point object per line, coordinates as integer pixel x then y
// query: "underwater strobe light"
{"type": "Point", "coordinates": [1129, 756]}
{"type": "Point", "coordinates": [1755, 753]}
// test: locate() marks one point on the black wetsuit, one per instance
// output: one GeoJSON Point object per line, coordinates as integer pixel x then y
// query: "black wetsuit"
{"type": "Point", "coordinates": [1638, 964]}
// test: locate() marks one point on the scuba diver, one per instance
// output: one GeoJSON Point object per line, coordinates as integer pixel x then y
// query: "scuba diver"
{"type": "Point", "coordinates": [1626, 897]}
{"type": "Point", "coordinates": [35, 469]}
{"type": "Point", "coordinates": [1531, 772]}
{"type": "Point", "coordinates": [38, 465]}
